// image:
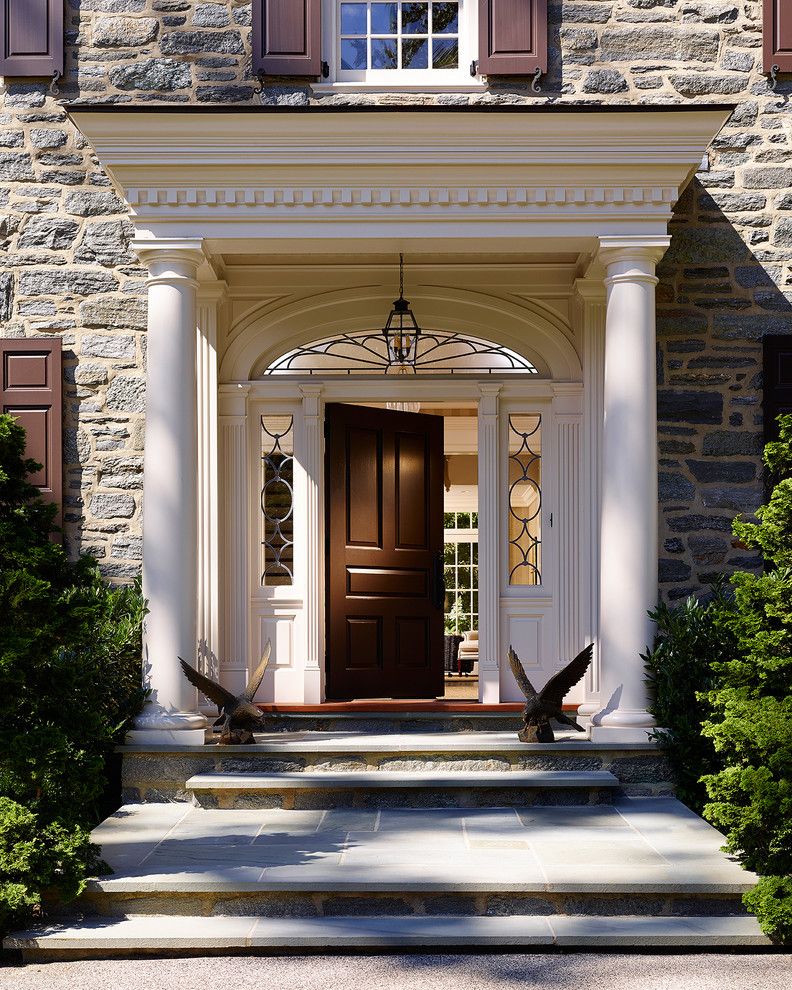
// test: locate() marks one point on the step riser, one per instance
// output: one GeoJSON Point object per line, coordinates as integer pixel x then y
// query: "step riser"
{"type": "Point", "coordinates": [161, 777]}
{"type": "Point", "coordinates": [461, 797]}
{"type": "Point", "coordinates": [366, 722]}
{"type": "Point", "coordinates": [493, 904]}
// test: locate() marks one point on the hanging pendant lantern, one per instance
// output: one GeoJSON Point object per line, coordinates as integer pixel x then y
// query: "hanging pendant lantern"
{"type": "Point", "coordinates": [401, 331]}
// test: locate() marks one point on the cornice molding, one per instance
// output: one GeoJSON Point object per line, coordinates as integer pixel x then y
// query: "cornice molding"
{"type": "Point", "coordinates": [247, 169]}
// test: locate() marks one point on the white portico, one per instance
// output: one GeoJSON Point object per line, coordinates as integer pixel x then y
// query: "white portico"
{"type": "Point", "coordinates": [538, 230]}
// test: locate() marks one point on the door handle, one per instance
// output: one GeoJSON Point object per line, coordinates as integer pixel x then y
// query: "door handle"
{"type": "Point", "coordinates": [438, 588]}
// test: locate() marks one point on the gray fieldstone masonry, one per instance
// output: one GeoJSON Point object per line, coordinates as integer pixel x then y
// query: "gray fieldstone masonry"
{"type": "Point", "coordinates": [726, 281]}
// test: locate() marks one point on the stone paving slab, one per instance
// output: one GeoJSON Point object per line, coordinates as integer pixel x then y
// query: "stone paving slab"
{"type": "Point", "coordinates": [562, 849]}
{"type": "Point", "coordinates": [191, 933]}
{"type": "Point", "coordinates": [381, 779]}
{"type": "Point", "coordinates": [345, 741]}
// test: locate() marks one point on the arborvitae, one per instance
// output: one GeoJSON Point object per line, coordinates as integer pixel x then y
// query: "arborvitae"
{"type": "Point", "coordinates": [751, 723]}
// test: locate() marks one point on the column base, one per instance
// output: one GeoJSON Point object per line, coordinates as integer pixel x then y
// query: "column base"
{"type": "Point", "coordinates": [585, 713]}
{"type": "Point", "coordinates": [161, 728]}
{"type": "Point", "coordinates": [312, 686]}
{"type": "Point", "coordinates": [165, 737]}
{"type": "Point", "coordinates": [622, 726]}
{"type": "Point", "coordinates": [489, 685]}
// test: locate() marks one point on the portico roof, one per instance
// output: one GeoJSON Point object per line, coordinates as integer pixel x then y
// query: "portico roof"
{"type": "Point", "coordinates": [441, 175]}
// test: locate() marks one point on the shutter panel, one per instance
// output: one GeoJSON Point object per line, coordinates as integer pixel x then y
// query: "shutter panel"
{"type": "Point", "coordinates": [777, 381]}
{"type": "Point", "coordinates": [287, 37]}
{"type": "Point", "coordinates": [30, 390]}
{"type": "Point", "coordinates": [512, 37]}
{"type": "Point", "coordinates": [778, 35]}
{"type": "Point", "coordinates": [31, 37]}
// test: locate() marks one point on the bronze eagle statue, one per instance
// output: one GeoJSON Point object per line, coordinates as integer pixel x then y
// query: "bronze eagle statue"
{"type": "Point", "coordinates": [541, 706]}
{"type": "Point", "coordinates": [238, 715]}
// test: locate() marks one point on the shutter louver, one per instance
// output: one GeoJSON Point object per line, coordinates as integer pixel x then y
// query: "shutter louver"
{"type": "Point", "coordinates": [30, 390]}
{"type": "Point", "coordinates": [31, 37]}
{"type": "Point", "coordinates": [777, 35]}
{"type": "Point", "coordinates": [287, 37]}
{"type": "Point", "coordinates": [777, 381]}
{"type": "Point", "coordinates": [512, 37]}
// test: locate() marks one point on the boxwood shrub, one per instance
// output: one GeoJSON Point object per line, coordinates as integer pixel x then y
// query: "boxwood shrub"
{"type": "Point", "coordinates": [69, 685]}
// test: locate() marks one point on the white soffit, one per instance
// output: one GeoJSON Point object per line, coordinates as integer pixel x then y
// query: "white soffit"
{"type": "Point", "coordinates": [417, 175]}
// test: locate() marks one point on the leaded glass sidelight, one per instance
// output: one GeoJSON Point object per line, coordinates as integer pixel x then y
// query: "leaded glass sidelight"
{"type": "Point", "coordinates": [277, 500]}
{"type": "Point", "coordinates": [525, 500]}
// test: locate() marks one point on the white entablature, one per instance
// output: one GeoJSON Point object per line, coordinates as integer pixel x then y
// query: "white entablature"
{"type": "Point", "coordinates": [499, 172]}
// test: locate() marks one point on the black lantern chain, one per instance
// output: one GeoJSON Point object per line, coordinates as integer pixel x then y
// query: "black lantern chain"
{"type": "Point", "coordinates": [401, 330]}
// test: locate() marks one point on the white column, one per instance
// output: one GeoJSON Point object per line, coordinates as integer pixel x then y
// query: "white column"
{"type": "Point", "coordinates": [235, 565]}
{"type": "Point", "coordinates": [628, 542]}
{"type": "Point", "coordinates": [591, 308]}
{"type": "Point", "coordinates": [489, 545]}
{"type": "Point", "coordinates": [314, 529]}
{"type": "Point", "coordinates": [169, 494]}
{"type": "Point", "coordinates": [210, 297]}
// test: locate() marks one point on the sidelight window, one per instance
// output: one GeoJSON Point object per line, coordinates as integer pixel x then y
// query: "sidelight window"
{"type": "Point", "coordinates": [525, 500]}
{"type": "Point", "coordinates": [277, 500]}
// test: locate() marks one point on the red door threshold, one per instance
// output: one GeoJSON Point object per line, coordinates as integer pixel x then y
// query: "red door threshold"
{"type": "Point", "coordinates": [401, 705]}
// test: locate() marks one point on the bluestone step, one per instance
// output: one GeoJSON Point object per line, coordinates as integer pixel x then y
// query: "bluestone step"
{"type": "Point", "coordinates": [192, 935]}
{"type": "Point", "coordinates": [421, 788]}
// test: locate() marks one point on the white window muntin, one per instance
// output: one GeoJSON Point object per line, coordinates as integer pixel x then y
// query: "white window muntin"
{"type": "Point", "coordinates": [365, 33]}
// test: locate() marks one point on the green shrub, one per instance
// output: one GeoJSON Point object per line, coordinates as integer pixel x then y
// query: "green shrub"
{"type": "Point", "coordinates": [70, 679]}
{"type": "Point", "coordinates": [751, 727]}
{"type": "Point", "coordinates": [691, 639]}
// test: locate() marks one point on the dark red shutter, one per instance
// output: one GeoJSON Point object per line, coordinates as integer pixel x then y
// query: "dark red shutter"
{"type": "Point", "coordinates": [777, 381]}
{"type": "Point", "coordinates": [287, 37]}
{"type": "Point", "coordinates": [31, 37]}
{"type": "Point", "coordinates": [30, 382]}
{"type": "Point", "coordinates": [778, 35]}
{"type": "Point", "coordinates": [512, 37]}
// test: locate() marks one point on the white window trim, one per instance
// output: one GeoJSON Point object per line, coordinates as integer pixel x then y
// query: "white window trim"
{"type": "Point", "coordinates": [402, 80]}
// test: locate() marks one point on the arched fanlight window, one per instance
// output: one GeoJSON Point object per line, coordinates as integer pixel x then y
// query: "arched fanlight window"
{"type": "Point", "coordinates": [438, 352]}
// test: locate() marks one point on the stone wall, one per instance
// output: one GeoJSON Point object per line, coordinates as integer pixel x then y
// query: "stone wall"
{"type": "Point", "coordinates": [726, 281]}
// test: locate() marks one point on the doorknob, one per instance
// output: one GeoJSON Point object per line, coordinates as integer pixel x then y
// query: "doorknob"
{"type": "Point", "coordinates": [438, 588]}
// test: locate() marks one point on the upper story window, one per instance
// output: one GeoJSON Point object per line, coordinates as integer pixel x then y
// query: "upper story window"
{"type": "Point", "coordinates": [388, 41]}
{"type": "Point", "coordinates": [377, 37]}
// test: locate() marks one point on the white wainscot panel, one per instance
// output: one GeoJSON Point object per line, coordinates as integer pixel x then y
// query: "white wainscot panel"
{"type": "Point", "coordinates": [530, 632]}
{"type": "Point", "coordinates": [283, 681]}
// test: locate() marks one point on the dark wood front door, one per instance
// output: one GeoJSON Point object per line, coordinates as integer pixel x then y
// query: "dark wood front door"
{"type": "Point", "coordinates": [384, 482]}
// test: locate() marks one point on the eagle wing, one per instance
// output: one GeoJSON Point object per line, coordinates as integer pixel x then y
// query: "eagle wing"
{"type": "Point", "coordinates": [258, 674]}
{"type": "Point", "coordinates": [213, 691]}
{"type": "Point", "coordinates": [520, 676]}
{"type": "Point", "coordinates": [559, 684]}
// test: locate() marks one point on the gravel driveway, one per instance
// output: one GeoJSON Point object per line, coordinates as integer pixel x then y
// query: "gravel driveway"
{"type": "Point", "coordinates": [416, 972]}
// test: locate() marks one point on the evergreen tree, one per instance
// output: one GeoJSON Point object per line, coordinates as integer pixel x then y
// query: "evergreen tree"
{"type": "Point", "coordinates": [69, 683]}
{"type": "Point", "coordinates": [751, 724]}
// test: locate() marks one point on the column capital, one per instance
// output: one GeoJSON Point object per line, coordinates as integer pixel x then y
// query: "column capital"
{"type": "Point", "coordinates": [590, 290]}
{"type": "Point", "coordinates": [170, 260]}
{"type": "Point", "coordinates": [488, 404]}
{"type": "Point", "coordinates": [232, 401]}
{"type": "Point", "coordinates": [214, 291]}
{"type": "Point", "coordinates": [634, 251]}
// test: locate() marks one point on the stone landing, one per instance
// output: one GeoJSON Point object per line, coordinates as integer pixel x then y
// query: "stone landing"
{"type": "Point", "coordinates": [498, 845]}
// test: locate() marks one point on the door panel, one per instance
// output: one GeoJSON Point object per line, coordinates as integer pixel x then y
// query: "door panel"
{"type": "Point", "coordinates": [384, 537]}
{"type": "Point", "coordinates": [363, 488]}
